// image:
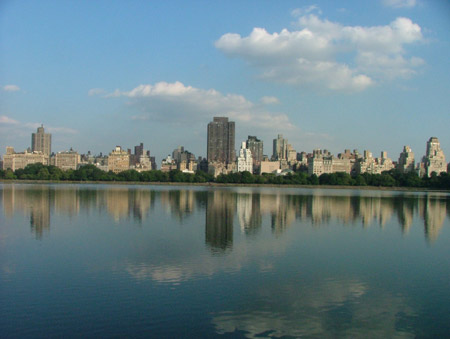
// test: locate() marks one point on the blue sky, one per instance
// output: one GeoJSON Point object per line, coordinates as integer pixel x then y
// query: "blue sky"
{"type": "Point", "coordinates": [327, 74]}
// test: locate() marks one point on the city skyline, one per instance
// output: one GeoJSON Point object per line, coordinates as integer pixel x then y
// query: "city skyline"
{"type": "Point", "coordinates": [152, 72]}
{"type": "Point", "coordinates": [222, 157]}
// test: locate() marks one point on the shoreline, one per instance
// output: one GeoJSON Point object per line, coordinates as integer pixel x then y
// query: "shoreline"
{"type": "Point", "coordinates": [214, 184]}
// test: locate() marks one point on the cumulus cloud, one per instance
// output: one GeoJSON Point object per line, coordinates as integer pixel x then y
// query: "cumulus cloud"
{"type": "Point", "coordinates": [11, 88]}
{"type": "Point", "coordinates": [7, 120]}
{"type": "Point", "coordinates": [400, 3]}
{"type": "Point", "coordinates": [12, 126]}
{"type": "Point", "coordinates": [306, 10]}
{"type": "Point", "coordinates": [96, 91]}
{"type": "Point", "coordinates": [327, 54]}
{"type": "Point", "coordinates": [267, 100]}
{"type": "Point", "coordinates": [178, 103]}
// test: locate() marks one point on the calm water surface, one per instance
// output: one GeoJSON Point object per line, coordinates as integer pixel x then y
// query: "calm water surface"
{"type": "Point", "coordinates": [144, 261]}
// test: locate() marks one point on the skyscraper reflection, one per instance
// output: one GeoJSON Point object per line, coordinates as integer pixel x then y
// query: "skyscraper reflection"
{"type": "Point", "coordinates": [252, 207]}
{"type": "Point", "coordinates": [220, 210]}
{"type": "Point", "coordinates": [249, 212]}
{"type": "Point", "coordinates": [179, 203]}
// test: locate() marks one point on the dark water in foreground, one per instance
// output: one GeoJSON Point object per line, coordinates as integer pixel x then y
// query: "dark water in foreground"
{"type": "Point", "coordinates": [143, 261]}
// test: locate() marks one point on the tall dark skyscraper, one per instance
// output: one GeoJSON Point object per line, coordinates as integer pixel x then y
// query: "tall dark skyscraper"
{"type": "Point", "coordinates": [257, 148]}
{"type": "Point", "coordinates": [139, 150]}
{"type": "Point", "coordinates": [41, 141]}
{"type": "Point", "coordinates": [221, 141]}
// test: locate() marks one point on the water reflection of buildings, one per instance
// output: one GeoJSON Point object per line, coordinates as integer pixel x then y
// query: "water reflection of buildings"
{"type": "Point", "coordinates": [38, 202]}
{"type": "Point", "coordinates": [178, 203]}
{"type": "Point", "coordinates": [220, 209]}
{"type": "Point", "coordinates": [35, 203]}
{"type": "Point", "coordinates": [433, 212]}
{"type": "Point", "coordinates": [221, 206]}
{"type": "Point", "coordinates": [124, 203]}
{"type": "Point", "coordinates": [249, 212]}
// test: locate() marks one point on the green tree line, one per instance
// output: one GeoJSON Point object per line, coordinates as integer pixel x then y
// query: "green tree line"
{"type": "Point", "coordinates": [391, 178]}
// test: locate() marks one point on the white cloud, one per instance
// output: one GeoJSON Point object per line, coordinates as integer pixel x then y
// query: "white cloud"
{"type": "Point", "coordinates": [400, 3]}
{"type": "Point", "coordinates": [306, 10]}
{"type": "Point", "coordinates": [177, 103]}
{"type": "Point", "coordinates": [313, 55]}
{"type": "Point", "coordinates": [268, 100]}
{"type": "Point", "coordinates": [11, 88]}
{"type": "Point", "coordinates": [62, 130]}
{"type": "Point", "coordinates": [279, 315]}
{"type": "Point", "coordinates": [7, 120]}
{"type": "Point", "coordinates": [13, 127]}
{"type": "Point", "coordinates": [96, 91]}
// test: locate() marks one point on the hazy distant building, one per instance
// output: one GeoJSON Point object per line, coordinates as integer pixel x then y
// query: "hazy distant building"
{"type": "Point", "coordinates": [168, 164]}
{"type": "Point", "coordinates": [369, 164]}
{"type": "Point", "coordinates": [118, 160]}
{"type": "Point", "coordinates": [139, 150]}
{"type": "Point", "coordinates": [144, 162]}
{"type": "Point", "coordinates": [255, 146]}
{"type": "Point", "coordinates": [67, 160]}
{"type": "Point", "coordinates": [269, 167]}
{"type": "Point", "coordinates": [324, 162]}
{"type": "Point", "coordinates": [282, 150]}
{"type": "Point", "coordinates": [245, 160]}
{"type": "Point", "coordinates": [434, 160]}
{"type": "Point", "coordinates": [280, 147]}
{"type": "Point", "coordinates": [15, 161]}
{"type": "Point", "coordinates": [406, 160]}
{"type": "Point", "coordinates": [41, 141]}
{"type": "Point", "coordinates": [221, 136]}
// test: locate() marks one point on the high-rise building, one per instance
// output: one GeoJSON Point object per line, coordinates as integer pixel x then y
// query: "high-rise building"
{"type": "Point", "coordinates": [221, 133]}
{"type": "Point", "coordinates": [118, 160]}
{"type": "Point", "coordinates": [406, 160]}
{"type": "Point", "coordinates": [369, 164]}
{"type": "Point", "coordinates": [139, 150]}
{"type": "Point", "coordinates": [280, 148]}
{"type": "Point", "coordinates": [256, 147]}
{"type": "Point", "coordinates": [184, 159]}
{"type": "Point", "coordinates": [434, 160]}
{"type": "Point", "coordinates": [41, 141]}
{"type": "Point", "coordinates": [245, 160]}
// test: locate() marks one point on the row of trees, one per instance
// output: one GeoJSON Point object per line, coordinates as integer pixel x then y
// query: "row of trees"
{"type": "Point", "coordinates": [391, 178]}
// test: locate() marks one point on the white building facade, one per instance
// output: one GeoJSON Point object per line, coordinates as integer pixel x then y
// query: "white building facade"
{"type": "Point", "coordinates": [245, 160]}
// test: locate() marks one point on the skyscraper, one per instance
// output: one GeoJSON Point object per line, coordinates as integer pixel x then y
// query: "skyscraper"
{"type": "Point", "coordinates": [221, 141]}
{"type": "Point", "coordinates": [41, 141]}
{"type": "Point", "coordinates": [139, 150]}
{"type": "Point", "coordinates": [280, 148]}
{"type": "Point", "coordinates": [406, 160]}
{"type": "Point", "coordinates": [245, 160]}
{"type": "Point", "coordinates": [434, 160]}
{"type": "Point", "coordinates": [256, 147]}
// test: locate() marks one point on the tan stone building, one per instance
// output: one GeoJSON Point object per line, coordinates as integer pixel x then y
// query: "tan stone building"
{"type": "Point", "coordinates": [41, 141]}
{"type": "Point", "coordinates": [16, 161]}
{"type": "Point", "coordinates": [434, 160]}
{"type": "Point", "coordinates": [67, 160]}
{"type": "Point", "coordinates": [217, 168]}
{"type": "Point", "coordinates": [324, 162]}
{"type": "Point", "coordinates": [168, 164]}
{"type": "Point", "coordinates": [406, 160]}
{"type": "Point", "coordinates": [369, 164]}
{"type": "Point", "coordinates": [269, 167]}
{"type": "Point", "coordinates": [118, 160]}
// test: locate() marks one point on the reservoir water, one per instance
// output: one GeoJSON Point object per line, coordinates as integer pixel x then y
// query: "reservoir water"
{"type": "Point", "coordinates": [237, 262]}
